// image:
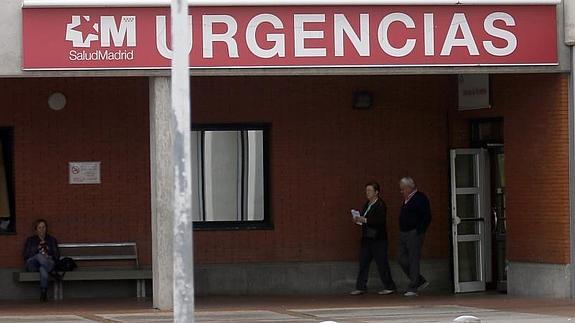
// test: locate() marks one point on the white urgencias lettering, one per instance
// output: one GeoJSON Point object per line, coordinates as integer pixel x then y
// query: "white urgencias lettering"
{"type": "Point", "coordinates": [459, 22]}
{"type": "Point", "coordinates": [265, 35]}
{"type": "Point", "coordinates": [491, 29]}
{"type": "Point", "coordinates": [429, 34]}
{"type": "Point", "coordinates": [300, 35]}
{"type": "Point", "coordinates": [342, 26]}
{"type": "Point", "coordinates": [382, 34]}
{"type": "Point", "coordinates": [161, 37]}
{"type": "Point", "coordinates": [228, 37]}
{"type": "Point", "coordinates": [278, 48]}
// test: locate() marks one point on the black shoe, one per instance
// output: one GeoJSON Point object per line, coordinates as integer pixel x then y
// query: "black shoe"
{"type": "Point", "coordinates": [43, 294]}
{"type": "Point", "coordinates": [423, 284]}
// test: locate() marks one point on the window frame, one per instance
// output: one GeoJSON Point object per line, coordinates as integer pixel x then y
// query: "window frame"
{"type": "Point", "coordinates": [7, 138]}
{"type": "Point", "coordinates": [267, 222]}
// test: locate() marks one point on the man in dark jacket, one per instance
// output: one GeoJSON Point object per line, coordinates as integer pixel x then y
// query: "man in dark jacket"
{"type": "Point", "coordinates": [373, 242]}
{"type": "Point", "coordinates": [41, 253]}
{"type": "Point", "coordinates": [414, 219]}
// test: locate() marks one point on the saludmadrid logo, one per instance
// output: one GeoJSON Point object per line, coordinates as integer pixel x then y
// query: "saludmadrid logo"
{"type": "Point", "coordinates": [82, 31]}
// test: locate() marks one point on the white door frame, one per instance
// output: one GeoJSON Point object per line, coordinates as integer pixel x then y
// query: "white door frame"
{"type": "Point", "coordinates": [482, 217]}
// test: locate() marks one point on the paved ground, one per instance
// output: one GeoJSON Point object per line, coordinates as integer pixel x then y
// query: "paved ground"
{"type": "Point", "coordinates": [341, 309]}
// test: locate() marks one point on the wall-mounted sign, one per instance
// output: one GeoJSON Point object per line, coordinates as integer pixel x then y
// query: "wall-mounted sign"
{"type": "Point", "coordinates": [84, 172]}
{"type": "Point", "coordinates": [292, 36]}
{"type": "Point", "coordinates": [473, 91]}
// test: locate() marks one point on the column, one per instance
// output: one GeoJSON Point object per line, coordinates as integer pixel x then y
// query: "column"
{"type": "Point", "coordinates": [161, 174]}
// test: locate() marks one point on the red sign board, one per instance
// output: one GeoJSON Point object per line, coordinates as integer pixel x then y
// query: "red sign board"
{"type": "Point", "coordinates": [304, 36]}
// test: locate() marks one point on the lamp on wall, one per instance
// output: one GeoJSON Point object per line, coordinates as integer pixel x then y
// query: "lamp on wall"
{"type": "Point", "coordinates": [57, 101]}
{"type": "Point", "coordinates": [362, 100]}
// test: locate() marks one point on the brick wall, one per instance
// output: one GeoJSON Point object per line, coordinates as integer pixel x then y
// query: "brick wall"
{"type": "Point", "coordinates": [535, 112]}
{"type": "Point", "coordinates": [323, 152]}
{"type": "Point", "coordinates": [105, 120]}
{"type": "Point", "coordinates": [537, 166]}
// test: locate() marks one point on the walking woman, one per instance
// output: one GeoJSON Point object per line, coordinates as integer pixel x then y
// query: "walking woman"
{"type": "Point", "coordinates": [41, 253]}
{"type": "Point", "coordinates": [373, 241]}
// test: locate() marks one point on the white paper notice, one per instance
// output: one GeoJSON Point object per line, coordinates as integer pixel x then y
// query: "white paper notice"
{"type": "Point", "coordinates": [84, 172]}
{"type": "Point", "coordinates": [355, 214]}
{"type": "Point", "coordinates": [473, 91]}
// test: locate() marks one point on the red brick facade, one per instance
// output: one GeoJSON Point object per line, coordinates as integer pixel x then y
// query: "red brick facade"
{"type": "Point", "coordinates": [537, 141]}
{"type": "Point", "coordinates": [105, 120]}
{"type": "Point", "coordinates": [322, 153]}
{"type": "Point", "coordinates": [535, 112]}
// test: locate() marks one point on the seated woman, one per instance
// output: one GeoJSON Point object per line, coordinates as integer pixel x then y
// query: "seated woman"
{"type": "Point", "coordinates": [41, 254]}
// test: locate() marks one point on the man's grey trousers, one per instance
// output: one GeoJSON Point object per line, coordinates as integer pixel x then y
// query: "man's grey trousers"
{"type": "Point", "coordinates": [409, 255]}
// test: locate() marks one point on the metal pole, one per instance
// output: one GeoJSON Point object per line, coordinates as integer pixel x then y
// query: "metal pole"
{"type": "Point", "coordinates": [569, 31]}
{"type": "Point", "coordinates": [183, 242]}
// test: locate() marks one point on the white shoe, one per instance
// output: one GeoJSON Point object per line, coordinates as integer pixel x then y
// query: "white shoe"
{"type": "Point", "coordinates": [357, 292]}
{"type": "Point", "coordinates": [386, 292]}
{"type": "Point", "coordinates": [410, 294]}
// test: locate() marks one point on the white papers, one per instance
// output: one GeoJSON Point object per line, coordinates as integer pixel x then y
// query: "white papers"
{"type": "Point", "coordinates": [355, 214]}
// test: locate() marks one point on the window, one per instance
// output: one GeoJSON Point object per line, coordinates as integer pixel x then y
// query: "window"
{"type": "Point", "coordinates": [229, 175]}
{"type": "Point", "coordinates": [7, 218]}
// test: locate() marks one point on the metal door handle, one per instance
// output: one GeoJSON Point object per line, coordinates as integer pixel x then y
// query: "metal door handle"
{"type": "Point", "coordinates": [472, 220]}
{"type": "Point", "coordinates": [494, 212]}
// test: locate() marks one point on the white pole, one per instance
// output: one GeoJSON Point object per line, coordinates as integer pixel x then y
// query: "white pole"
{"type": "Point", "coordinates": [183, 248]}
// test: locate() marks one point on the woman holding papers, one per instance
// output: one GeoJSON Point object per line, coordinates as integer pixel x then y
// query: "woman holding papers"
{"type": "Point", "coordinates": [372, 219]}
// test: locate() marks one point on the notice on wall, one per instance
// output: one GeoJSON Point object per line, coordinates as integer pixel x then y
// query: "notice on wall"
{"type": "Point", "coordinates": [84, 172]}
{"type": "Point", "coordinates": [473, 92]}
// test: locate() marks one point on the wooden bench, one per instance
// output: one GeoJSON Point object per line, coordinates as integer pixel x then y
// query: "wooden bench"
{"type": "Point", "coordinates": [107, 261]}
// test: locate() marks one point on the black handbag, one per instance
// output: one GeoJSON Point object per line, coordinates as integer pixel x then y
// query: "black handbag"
{"type": "Point", "coordinates": [66, 264]}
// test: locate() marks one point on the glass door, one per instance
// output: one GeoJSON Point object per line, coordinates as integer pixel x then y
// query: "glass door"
{"type": "Point", "coordinates": [470, 215]}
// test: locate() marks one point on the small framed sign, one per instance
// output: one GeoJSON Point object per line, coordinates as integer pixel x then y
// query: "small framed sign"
{"type": "Point", "coordinates": [473, 92]}
{"type": "Point", "coordinates": [84, 172]}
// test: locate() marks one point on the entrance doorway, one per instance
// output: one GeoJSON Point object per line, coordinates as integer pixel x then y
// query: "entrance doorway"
{"type": "Point", "coordinates": [478, 210]}
{"type": "Point", "coordinates": [499, 230]}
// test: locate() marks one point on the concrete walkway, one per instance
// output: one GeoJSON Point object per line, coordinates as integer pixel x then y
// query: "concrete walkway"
{"type": "Point", "coordinates": [341, 309]}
